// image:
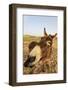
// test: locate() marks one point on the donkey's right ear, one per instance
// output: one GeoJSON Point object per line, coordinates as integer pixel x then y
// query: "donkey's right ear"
{"type": "Point", "coordinates": [53, 36]}
{"type": "Point", "coordinates": [45, 33]}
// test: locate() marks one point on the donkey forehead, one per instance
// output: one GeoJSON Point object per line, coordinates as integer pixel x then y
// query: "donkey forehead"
{"type": "Point", "coordinates": [48, 38]}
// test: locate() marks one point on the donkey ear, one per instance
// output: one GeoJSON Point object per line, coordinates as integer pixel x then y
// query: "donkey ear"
{"type": "Point", "coordinates": [53, 36]}
{"type": "Point", "coordinates": [45, 33]}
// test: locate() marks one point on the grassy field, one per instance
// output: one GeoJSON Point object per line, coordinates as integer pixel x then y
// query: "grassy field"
{"type": "Point", "coordinates": [51, 67]}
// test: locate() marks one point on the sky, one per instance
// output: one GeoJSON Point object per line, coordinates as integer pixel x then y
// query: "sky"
{"type": "Point", "coordinates": [34, 25]}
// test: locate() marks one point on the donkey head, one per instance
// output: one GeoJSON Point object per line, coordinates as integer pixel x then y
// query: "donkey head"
{"type": "Point", "coordinates": [46, 43]}
{"type": "Point", "coordinates": [47, 40]}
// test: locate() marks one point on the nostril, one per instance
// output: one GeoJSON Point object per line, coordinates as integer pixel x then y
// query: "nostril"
{"type": "Point", "coordinates": [29, 61]}
{"type": "Point", "coordinates": [26, 64]}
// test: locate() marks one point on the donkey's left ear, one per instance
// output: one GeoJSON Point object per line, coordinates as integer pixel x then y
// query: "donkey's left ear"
{"type": "Point", "coordinates": [53, 36]}
{"type": "Point", "coordinates": [45, 33]}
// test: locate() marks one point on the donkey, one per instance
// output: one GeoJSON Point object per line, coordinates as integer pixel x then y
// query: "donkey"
{"type": "Point", "coordinates": [40, 50]}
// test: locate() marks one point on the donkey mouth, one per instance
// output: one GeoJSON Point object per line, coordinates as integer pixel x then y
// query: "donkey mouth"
{"type": "Point", "coordinates": [29, 61]}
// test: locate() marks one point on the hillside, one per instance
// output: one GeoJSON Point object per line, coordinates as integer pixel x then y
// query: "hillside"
{"type": "Point", "coordinates": [31, 38]}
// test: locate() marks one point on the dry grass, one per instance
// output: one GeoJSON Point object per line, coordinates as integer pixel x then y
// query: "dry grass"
{"type": "Point", "coordinates": [42, 67]}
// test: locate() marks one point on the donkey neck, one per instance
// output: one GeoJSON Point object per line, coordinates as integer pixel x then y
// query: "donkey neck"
{"type": "Point", "coordinates": [46, 52]}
